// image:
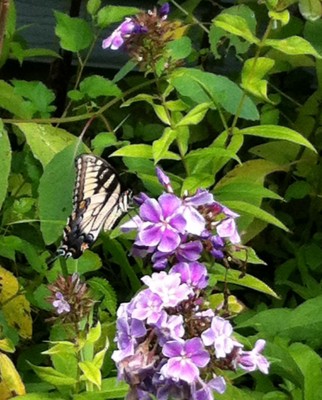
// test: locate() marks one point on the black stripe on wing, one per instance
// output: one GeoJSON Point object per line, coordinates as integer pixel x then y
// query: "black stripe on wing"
{"type": "Point", "coordinates": [96, 200]}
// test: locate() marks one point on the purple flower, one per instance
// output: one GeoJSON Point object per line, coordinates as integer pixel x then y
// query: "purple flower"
{"type": "Point", "coordinates": [168, 287]}
{"type": "Point", "coordinates": [164, 180]}
{"type": "Point", "coordinates": [193, 274]}
{"type": "Point", "coordinates": [218, 246]}
{"type": "Point", "coordinates": [162, 223]}
{"type": "Point", "coordinates": [195, 221]}
{"type": "Point", "coordinates": [252, 360]}
{"type": "Point", "coordinates": [61, 304]}
{"type": "Point", "coordinates": [148, 306]}
{"type": "Point", "coordinates": [227, 229]}
{"type": "Point", "coordinates": [217, 384]}
{"type": "Point", "coordinates": [170, 327]}
{"type": "Point", "coordinates": [164, 10]}
{"type": "Point", "coordinates": [117, 37]}
{"type": "Point", "coordinates": [185, 252]}
{"type": "Point", "coordinates": [185, 359]}
{"type": "Point", "coordinates": [219, 335]}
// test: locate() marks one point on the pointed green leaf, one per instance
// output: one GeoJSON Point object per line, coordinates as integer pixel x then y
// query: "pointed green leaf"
{"type": "Point", "coordinates": [194, 116]}
{"type": "Point", "coordinates": [253, 71]}
{"type": "Point", "coordinates": [110, 14]}
{"type": "Point", "coordinates": [277, 132]}
{"type": "Point", "coordinates": [5, 162]}
{"type": "Point", "coordinates": [45, 141]}
{"type": "Point", "coordinates": [91, 372]}
{"type": "Point", "coordinates": [235, 277]}
{"type": "Point", "coordinates": [75, 34]}
{"type": "Point", "coordinates": [293, 45]}
{"type": "Point", "coordinates": [95, 85]}
{"type": "Point", "coordinates": [142, 151]}
{"type": "Point", "coordinates": [256, 212]}
{"type": "Point", "coordinates": [161, 146]}
{"type": "Point", "coordinates": [50, 375]}
{"type": "Point", "coordinates": [235, 25]}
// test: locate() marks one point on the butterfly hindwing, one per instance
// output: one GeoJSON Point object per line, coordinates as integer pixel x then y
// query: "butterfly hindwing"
{"type": "Point", "coordinates": [97, 203]}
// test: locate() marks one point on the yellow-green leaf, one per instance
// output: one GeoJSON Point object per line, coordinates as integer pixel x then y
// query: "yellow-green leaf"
{"type": "Point", "coordinates": [293, 45]}
{"type": "Point", "coordinates": [91, 372]}
{"type": "Point", "coordinates": [253, 71]}
{"type": "Point", "coordinates": [10, 381]}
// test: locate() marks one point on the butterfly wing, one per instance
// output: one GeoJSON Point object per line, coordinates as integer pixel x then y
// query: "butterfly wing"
{"type": "Point", "coordinates": [96, 203]}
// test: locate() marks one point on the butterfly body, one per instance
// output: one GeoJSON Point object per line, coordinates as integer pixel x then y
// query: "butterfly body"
{"type": "Point", "coordinates": [98, 202]}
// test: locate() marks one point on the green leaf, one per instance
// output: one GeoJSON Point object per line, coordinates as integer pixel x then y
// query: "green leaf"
{"type": "Point", "coordinates": [256, 212]}
{"type": "Point", "coordinates": [110, 14]}
{"type": "Point", "coordinates": [95, 86]}
{"type": "Point", "coordinates": [253, 71]}
{"type": "Point", "coordinates": [312, 33]}
{"type": "Point", "coordinates": [277, 132]}
{"type": "Point", "coordinates": [87, 263]}
{"type": "Point", "coordinates": [244, 190]}
{"type": "Point", "coordinates": [179, 48]}
{"type": "Point", "coordinates": [48, 374]}
{"type": "Point", "coordinates": [93, 6]}
{"type": "Point", "coordinates": [211, 152]}
{"type": "Point", "coordinates": [140, 97]}
{"type": "Point", "coordinates": [103, 140]}
{"type": "Point", "coordinates": [39, 95]}
{"type": "Point", "coordinates": [310, 9]}
{"type": "Point", "coordinates": [161, 113]}
{"type": "Point", "coordinates": [142, 151]}
{"type": "Point", "coordinates": [102, 287]}
{"type": "Point", "coordinates": [235, 25]}
{"type": "Point", "coordinates": [40, 396]}
{"type": "Point", "coordinates": [75, 34]}
{"type": "Point", "coordinates": [232, 276]}
{"type": "Point", "coordinates": [204, 87]}
{"type": "Point", "coordinates": [91, 372]}
{"type": "Point", "coordinates": [45, 141]}
{"type": "Point", "coordinates": [94, 333]}
{"type": "Point", "coordinates": [111, 388]}
{"type": "Point", "coordinates": [293, 45]}
{"type": "Point", "coordinates": [5, 162]}
{"type": "Point", "coordinates": [55, 194]}
{"type": "Point", "coordinates": [39, 52]}
{"type": "Point", "coordinates": [309, 363]}
{"type": "Point", "coordinates": [195, 115]}
{"type": "Point", "coordinates": [161, 146]}
{"type": "Point", "coordinates": [12, 102]}
{"type": "Point", "coordinates": [196, 181]}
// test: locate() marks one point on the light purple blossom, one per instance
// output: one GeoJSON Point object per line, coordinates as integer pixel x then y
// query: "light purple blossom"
{"type": "Point", "coordinates": [170, 327]}
{"type": "Point", "coordinates": [168, 287]}
{"type": "Point", "coordinates": [117, 37]}
{"type": "Point", "coordinates": [148, 306]}
{"type": "Point", "coordinates": [195, 221]}
{"type": "Point", "coordinates": [227, 229]}
{"type": "Point", "coordinates": [193, 274]}
{"type": "Point", "coordinates": [217, 384]}
{"type": "Point", "coordinates": [185, 359]}
{"type": "Point", "coordinates": [162, 223]}
{"type": "Point", "coordinates": [61, 304]}
{"type": "Point", "coordinates": [219, 335]}
{"type": "Point", "coordinates": [253, 360]}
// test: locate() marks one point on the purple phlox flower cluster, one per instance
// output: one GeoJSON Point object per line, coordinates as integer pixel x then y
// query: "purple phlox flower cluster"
{"type": "Point", "coordinates": [169, 344]}
{"type": "Point", "coordinates": [133, 26]}
{"type": "Point", "coordinates": [174, 229]}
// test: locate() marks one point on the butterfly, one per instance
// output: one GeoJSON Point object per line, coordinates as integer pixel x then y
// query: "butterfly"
{"type": "Point", "coordinates": [98, 203]}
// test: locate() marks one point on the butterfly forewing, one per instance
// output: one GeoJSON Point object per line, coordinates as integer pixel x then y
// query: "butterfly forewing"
{"type": "Point", "coordinates": [96, 203]}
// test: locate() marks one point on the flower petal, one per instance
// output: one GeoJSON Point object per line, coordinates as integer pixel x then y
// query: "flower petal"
{"type": "Point", "coordinates": [169, 204]}
{"type": "Point", "coordinates": [170, 241]}
{"type": "Point", "coordinates": [151, 211]}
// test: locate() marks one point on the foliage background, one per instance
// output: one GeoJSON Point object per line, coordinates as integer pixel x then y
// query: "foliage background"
{"type": "Point", "coordinates": [241, 116]}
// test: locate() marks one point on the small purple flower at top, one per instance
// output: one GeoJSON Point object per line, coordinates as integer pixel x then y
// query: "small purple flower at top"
{"type": "Point", "coordinates": [168, 287]}
{"type": "Point", "coordinates": [164, 180]}
{"type": "Point", "coordinates": [61, 304]}
{"type": "Point", "coordinates": [252, 360]}
{"type": "Point", "coordinates": [117, 37]}
{"type": "Point", "coordinates": [164, 10]}
{"type": "Point", "coordinates": [193, 274]}
{"type": "Point", "coordinates": [219, 335]}
{"type": "Point", "coordinates": [185, 359]}
{"type": "Point", "coordinates": [162, 223]}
